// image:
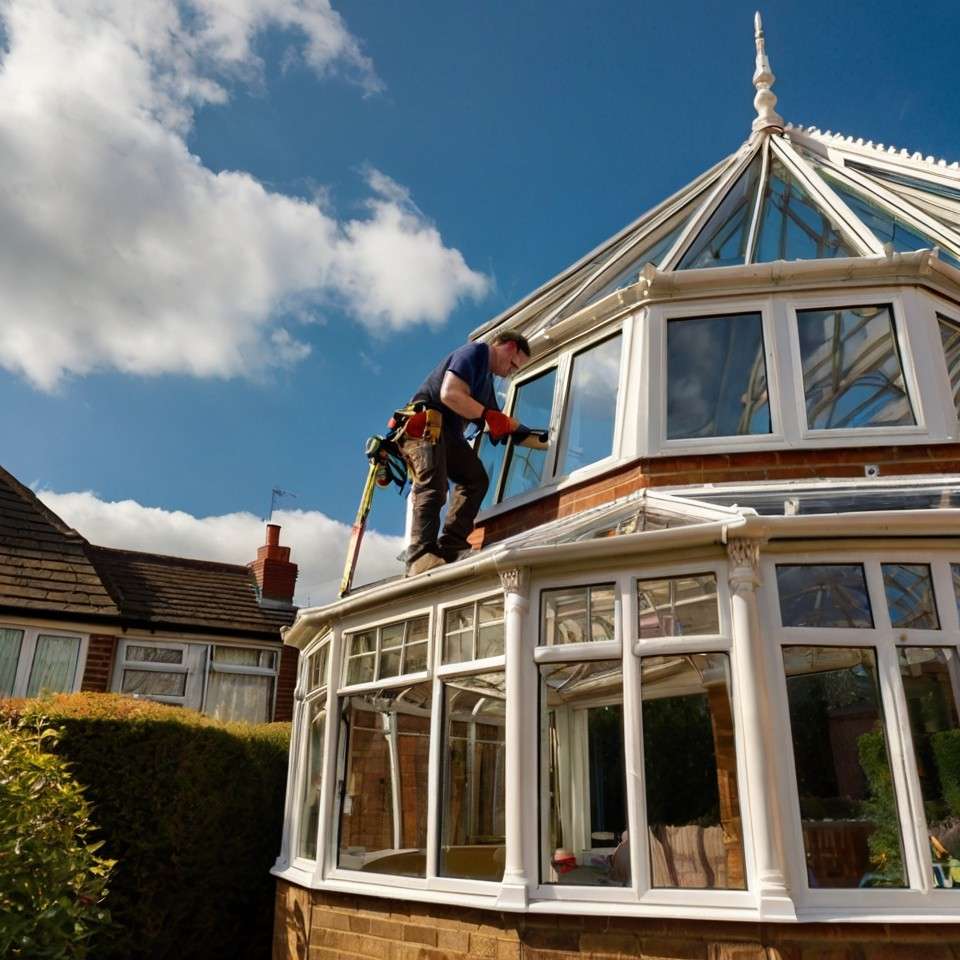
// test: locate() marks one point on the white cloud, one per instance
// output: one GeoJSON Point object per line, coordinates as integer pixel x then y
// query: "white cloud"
{"type": "Point", "coordinates": [318, 543]}
{"type": "Point", "coordinates": [121, 250]}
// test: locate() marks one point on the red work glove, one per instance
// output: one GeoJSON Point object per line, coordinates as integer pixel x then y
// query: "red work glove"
{"type": "Point", "coordinates": [499, 423]}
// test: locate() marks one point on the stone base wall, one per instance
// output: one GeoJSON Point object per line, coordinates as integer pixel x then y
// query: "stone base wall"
{"type": "Point", "coordinates": [315, 925]}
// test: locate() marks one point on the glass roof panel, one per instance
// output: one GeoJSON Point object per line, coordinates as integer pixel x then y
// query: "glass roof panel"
{"type": "Point", "coordinates": [723, 240]}
{"type": "Point", "coordinates": [905, 180]}
{"type": "Point", "coordinates": [792, 226]}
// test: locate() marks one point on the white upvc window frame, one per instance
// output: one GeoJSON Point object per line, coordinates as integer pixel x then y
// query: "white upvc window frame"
{"type": "Point", "coordinates": [349, 689]}
{"type": "Point", "coordinates": [456, 667]}
{"type": "Point", "coordinates": [883, 639]}
{"type": "Point", "coordinates": [195, 681]}
{"type": "Point", "coordinates": [939, 375]}
{"type": "Point", "coordinates": [28, 651]}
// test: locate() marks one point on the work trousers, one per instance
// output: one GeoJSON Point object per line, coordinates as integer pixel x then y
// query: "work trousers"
{"type": "Point", "coordinates": [432, 466]}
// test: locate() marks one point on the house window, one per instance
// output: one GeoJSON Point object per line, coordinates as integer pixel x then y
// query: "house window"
{"type": "Point", "coordinates": [473, 631]}
{"type": "Point", "coordinates": [848, 809]}
{"type": "Point", "coordinates": [472, 809]}
{"type": "Point", "coordinates": [391, 650]}
{"type": "Point", "coordinates": [694, 828]}
{"type": "Point", "coordinates": [852, 371]}
{"type": "Point", "coordinates": [588, 420]}
{"type": "Point", "coordinates": [34, 662]}
{"type": "Point", "coordinates": [578, 614]}
{"type": "Point", "coordinates": [583, 784]}
{"type": "Point", "coordinates": [678, 606]}
{"type": "Point", "coordinates": [384, 755]}
{"type": "Point", "coordinates": [716, 377]}
{"type": "Point", "coordinates": [240, 684]}
{"type": "Point", "coordinates": [910, 598]}
{"type": "Point", "coordinates": [533, 405]}
{"type": "Point", "coordinates": [315, 695]}
{"type": "Point", "coordinates": [824, 595]}
{"type": "Point", "coordinates": [950, 337]}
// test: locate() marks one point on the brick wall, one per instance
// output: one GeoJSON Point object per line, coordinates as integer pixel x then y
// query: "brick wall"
{"type": "Point", "coordinates": [286, 682]}
{"type": "Point", "coordinates": [722, 468]}
{"type": "Point", "coordinates": [99, 666]}
{"type": "Point", "coordinates": [314, 925]}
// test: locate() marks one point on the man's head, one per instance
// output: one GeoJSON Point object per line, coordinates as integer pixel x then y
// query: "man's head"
{"type": "Point", "coordinates": [508, 352]}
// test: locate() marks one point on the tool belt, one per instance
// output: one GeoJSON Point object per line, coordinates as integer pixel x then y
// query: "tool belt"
{"type": "Point", "coordinates": [418, 421]}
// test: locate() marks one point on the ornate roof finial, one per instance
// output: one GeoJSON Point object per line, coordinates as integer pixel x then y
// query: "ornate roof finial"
{"type": "Point", "coordinates": [766, 99]}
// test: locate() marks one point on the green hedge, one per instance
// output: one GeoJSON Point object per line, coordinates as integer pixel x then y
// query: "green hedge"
{"type": "Point", "coordinates": [946, 751]}
{"type": "Point", "coordinates": [191, 810]}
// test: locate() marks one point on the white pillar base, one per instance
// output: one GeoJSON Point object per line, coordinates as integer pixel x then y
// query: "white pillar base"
{"type": "Point", "coordinates": [513, 896]}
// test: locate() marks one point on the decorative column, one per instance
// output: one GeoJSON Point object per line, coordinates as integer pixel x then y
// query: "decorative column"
{"type": "Point", "coordinates": [760, 761]}
{"type": "Point", "coordinates": [513, 891]}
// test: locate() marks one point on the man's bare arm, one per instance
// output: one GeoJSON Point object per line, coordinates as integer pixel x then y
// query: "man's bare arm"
{"type": "Point", "coordinates": [455, 394]}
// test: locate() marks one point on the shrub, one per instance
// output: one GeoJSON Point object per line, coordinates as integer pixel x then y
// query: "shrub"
{"type": "Point", "coordinates": [946, 751]}
{"type": "Point", "coordinates": [881, 808]}
{"type": "Point", "coordinates": [52, 883]}
{"type": "Point", "coordinates": [191, 809]}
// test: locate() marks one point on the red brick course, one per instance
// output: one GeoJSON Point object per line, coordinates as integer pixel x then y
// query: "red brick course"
{"type": "Point", "coordinates": [96, 673]}
{"type": "Point", "coordinates": [286, 682]}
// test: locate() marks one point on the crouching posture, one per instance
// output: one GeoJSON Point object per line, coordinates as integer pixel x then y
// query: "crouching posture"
{"type": "Point", "coordinates": [461, 389]}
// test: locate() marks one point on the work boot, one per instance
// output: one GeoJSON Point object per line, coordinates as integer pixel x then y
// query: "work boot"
{"type": "Point", "coordinates": [423, 563]}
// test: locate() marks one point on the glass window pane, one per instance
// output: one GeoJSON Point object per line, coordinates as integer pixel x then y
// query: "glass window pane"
{"type": "Point", "coordinates": [245, 657]}
{"type": "Point", "coordinates": [415, 657]}
{"type": "Point", "coordinates": [578, 614]}
{"type": "Point", "coordinates": [931, 681]}
{"type": "Point", "coordinates": [490, 628]}
{"type": "Point", "coordinates": [678, 606]}
{"type": "Point", "coordinates": [716, 377]}
{"type": "Point", "coordinates": [417, 629]}
{"type": "Point", "coordinates": [389, 663]}
{"type": "Point", "coordinates": [458, 634]}
{"type": "Point", "coordinates": [312, 781]}
{"type": "Point", "coordinates": [242, 697]}
{"type": "Point", "coordinates": [384, 755]}
{"type": "Point", "coordinates": [491, 456]}
{"type": "Point", "coordinates": [723, 240]}
{"type": "Point", "coordinates": [54, 665]}
{"type": "Point", "coordinates": [154, 683]}
{"type": "Point", "coordinates": [360, 668]}
{"type": "Point", "coordinates": [592, 406]}
{"type": "Point", "coordinates": [910, 599]}
{"type": "Point", "coordinates": [823, 595]}
{"type": "Point", "coordinates": [10, 643]}
{"type": "Point", "coordinates": [852, 375]}
{"type": "Point", "coordinates": [792, 225]}
{"type": "Point", "coordinates": [851, 827]}
{"type": "Point", "coordinates": [690, 770]}
{"type": "Point", "coordinates": [317, 675]}
{"type": "Point", "coordinates": [144, 654]}
{"type": "Point", "coordinates": [950, 337]}
{"type": "Point", "coordinates": [472, 827]}
{"type": "Point", "coordinates": [533, 406]}
{"type": "Point", "coordinates": [584, 804]}
{"type": "Point", "coordinates": [391, 636]}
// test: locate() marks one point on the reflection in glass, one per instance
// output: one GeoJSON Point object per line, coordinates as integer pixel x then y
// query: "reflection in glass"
{"type": "Point", "coordinates": [591, 408]}
{"type": "Point", "coordinates": [152, 683]}
{"type": "Point", "coordinates": [716, 377]}
{"type": "Point", "coordinates": [532, 406]}
{"type": "Point", "coordinates": [823, 595]}
{"type": "Point", "coordinates": [490, 628]}
{"type": "Point", "coordinates": [931, 682]}
{"type": "Point", "coordinates": [473, 631]}
{"type": "Point", "coordinates": [384, 754]}
{"type": "Point", "coordinates": [312, 780]}
{"type": "Point", "coordinates": [950, 337]}
{"type": "Point", "coordinates": [10, 642]}
{"type": "Point", "coordinates": [154, 654]}
{"type": "Point", "coordinates": [577, 614]}
{"type": "Point", "coordinates": [472, 826]}
{"type": "Point", "coordinates": [851, 828]}
{"type": "Point", "coordinates": [54, 665]}
{"type": "Point", "coordinates": [910, 598]}
{"type": "Point", "coordinates": [852, 375]}
{"type": "Point", "coordinates": [362, 656]}
{"type": "Point", "coordinates": [792, 226]}
{"type": "Point", "coordinates": [678, 606]}
{"type": "Point", "coordinates": [491, 456]}
{"type": "Point", "coordinates": [690, 772]}
{"type": "Point", "coordinates": [723, 240]}
{"type": "Point", "coordinates": [317, 669]}
{"type": "Point", "coordinates": [584, 799]}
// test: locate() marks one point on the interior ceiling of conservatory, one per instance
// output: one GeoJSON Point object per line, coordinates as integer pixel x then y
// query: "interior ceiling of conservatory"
{"type": "Point", "coordinates": [788, 193]}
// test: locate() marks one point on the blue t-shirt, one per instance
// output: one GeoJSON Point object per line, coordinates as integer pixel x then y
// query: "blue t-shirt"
{"type": "Point", "coordinates": [471, 363]}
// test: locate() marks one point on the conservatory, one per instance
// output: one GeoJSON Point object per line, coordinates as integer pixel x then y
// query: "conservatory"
{"type": "Point", "coordinates": [703, 662]}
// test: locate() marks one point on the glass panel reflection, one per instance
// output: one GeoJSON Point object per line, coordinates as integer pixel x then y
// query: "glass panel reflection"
{"type": "Point", "coordinates": [852, 375]}
{"type": "Point", "coordinates": [362, 657]}
{"type": "Point", "coordinates": [472, 810]}
{"type": "Point", "coordinates": [690, 771]}
{"type": "Point", "coordinates": [723, 240]}
{"type": "Point", "coordinates": [823, 595]}
{"type": "Point", "coordinates": [10, 642]}
{"type": "Point", "coordinates": [473, 631]}
{"type": "Point", "coordinates": [54, 665]}
{"type": "Point", "coordinates": [678, 606]}
{"type": "Point", "coordinates": [851, 827]}
{"type": "Point", "coordinates": [533, 406]}
{"type": "Point", "coordinates": [584, 812]}
{"type": "Point", "coordinates": [312, 780]}
{"type": "Point", "coordinates": [578, 614]}
{"type": "Point", "coordinates": [490, 628]}
{"type": "Point", "coordinates": [910, 598]}
{"type": "Point", "coordinates": [792, 226]}
{"type": "Point", "coordinates": [591, 408]}
{"type": "Point", "coordinates": [931, 683]}
{"type": "Point", "coordinates": [716, 377]}
{"type": "Point", "coordinates": [384, 753]}
{"type": "Point", "coordinates": [950, 337]}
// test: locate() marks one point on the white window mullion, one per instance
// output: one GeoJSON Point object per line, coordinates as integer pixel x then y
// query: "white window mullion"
{"type": "Point", "coordinates": [435, 783]}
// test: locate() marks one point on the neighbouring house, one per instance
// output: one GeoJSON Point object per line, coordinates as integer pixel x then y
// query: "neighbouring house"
{"type": "Point", "coordinates": [193, 633]}
{"type": "Point", "coordinates": [695, 692]}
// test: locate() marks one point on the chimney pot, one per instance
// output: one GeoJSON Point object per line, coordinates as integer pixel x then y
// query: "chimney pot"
{"type": "Point", "coordinates": [273, 534]}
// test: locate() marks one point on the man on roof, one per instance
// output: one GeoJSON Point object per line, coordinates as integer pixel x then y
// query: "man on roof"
{"type": "Point", "coordinates": [460, 388]}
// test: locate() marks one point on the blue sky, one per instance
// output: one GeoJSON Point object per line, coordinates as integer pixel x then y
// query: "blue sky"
{"type": "Point", "coordinates": [512, 137]}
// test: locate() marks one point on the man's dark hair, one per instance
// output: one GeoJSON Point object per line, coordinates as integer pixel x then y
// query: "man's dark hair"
{"type": "Point", "coordinates": [511, 336]}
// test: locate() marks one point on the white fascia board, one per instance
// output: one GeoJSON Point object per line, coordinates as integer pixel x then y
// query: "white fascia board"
{"type": "Point", "coordinates": [876, 523]}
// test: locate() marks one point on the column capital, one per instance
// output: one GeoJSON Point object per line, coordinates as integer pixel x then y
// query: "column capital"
{"type": "Point", "coordinates": [514, 580]}
{"type": "Point", "coordinates": [744, 556]}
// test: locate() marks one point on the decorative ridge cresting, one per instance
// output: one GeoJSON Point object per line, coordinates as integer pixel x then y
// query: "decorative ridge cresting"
{"type": "Point", "coordinates": [765, 100]}
{"type": "Point", "coordinates": [843, 140]}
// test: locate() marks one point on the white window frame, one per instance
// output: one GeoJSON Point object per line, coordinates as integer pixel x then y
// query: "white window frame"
{"type": "Point", "coordinates": [348, 689]}
{"type": "Point", "coordinates": [459, 667]}
{"type": "Point", "coordinates": [939, 375]}
{"type": "Point", "coordinates": [28, 651]}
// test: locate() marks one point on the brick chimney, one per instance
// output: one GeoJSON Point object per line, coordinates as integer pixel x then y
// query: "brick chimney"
{"type": "Point", "coordinates": [276, 575]}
